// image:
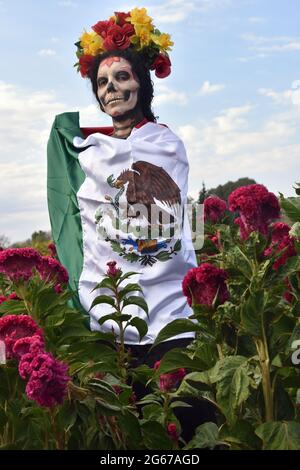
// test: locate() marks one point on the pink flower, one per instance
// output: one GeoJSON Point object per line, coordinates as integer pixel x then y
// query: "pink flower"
{"type": "Point", "coordinates": [30, 344]}
{"type": "Point", "coordinates": [52, 249]}
{"type": "Point", "coordinates": [169, 382]}
{"type": "Point", "coordinates": [257, 208]}
{"type": "Point", "coordinates": [172, 431]}
{"type": "Point", "coordinates": [204, 283]}
{"type": "Point", "coordinates": [214, 208]}
{"type": "Point", "coordinates": [18, 263]}
{"type": "Point", "coordinates": [48, 378]}
{"type": "Point", "coordinates": [15, 327]}
{"type": "Point", "coordinates": [281, 240]}
{"type": "Point", "coordinates": [51, 270]}
{"type": "Point", "coordinates": [2, 299]}
{"type": "Point", "coordinates": [112, 270]}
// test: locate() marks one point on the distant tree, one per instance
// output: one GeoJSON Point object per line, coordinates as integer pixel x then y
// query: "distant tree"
{"type": "Point", "coordinates": [4, 241]}
{"type": "Point", "coordinates": [223, 190]}
{"type": "Point", "coordinates": [202, 194]}
{"type": "Point", "coordinates": [39, 240]}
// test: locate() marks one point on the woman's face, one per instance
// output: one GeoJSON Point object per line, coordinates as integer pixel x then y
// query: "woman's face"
{"type": "Point", "coordinates": [118, 86]}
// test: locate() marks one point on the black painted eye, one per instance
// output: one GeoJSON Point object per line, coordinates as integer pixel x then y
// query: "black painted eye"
{"type": "Point", "coordinates": [122, 76]}
{"type": "Point", "coordinates": [101, 81]}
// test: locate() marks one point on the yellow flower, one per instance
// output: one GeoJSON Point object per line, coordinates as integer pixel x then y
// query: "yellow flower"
{"type": "Point", "coordinates": [138, 16]}
{"type": "Point", "coordinates": [163, 41]}
{"type": "Point", "coordinates": [91, 43]}
{"type": "Point", "coordinates": [143, 33]}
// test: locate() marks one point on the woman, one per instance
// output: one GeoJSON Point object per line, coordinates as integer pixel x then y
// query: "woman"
{"type": "Point", "coordinates": [118, 193]}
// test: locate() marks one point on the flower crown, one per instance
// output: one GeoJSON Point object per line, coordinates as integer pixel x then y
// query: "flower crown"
{"type": "Point", "coordinates": [132, 30]}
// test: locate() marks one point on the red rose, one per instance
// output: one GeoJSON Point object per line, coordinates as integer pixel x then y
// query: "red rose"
{"type": "Point", "coordinates": [162, 66]}
{"type": "Point", "coordinates": [121, 18]}
{"type": "Point", "coordinates": [102, 27]}
{"type": "Point", "coordinates": [118, 37]}
{"type": "Point", "coordinates": [85, 63]}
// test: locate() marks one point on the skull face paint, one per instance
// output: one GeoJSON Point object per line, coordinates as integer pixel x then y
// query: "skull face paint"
{"type": "Point", "coordinates": [118, 87]}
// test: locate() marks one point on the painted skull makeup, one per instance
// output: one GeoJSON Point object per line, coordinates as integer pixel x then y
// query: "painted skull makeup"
{"type": "Point", "coordinates": [118, 87]}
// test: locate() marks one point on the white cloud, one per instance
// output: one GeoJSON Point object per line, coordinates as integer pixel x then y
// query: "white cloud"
{"type": "Point", "coordinates": [286, 97]}
{"type": "Point", "coordinates": [231, 145]}
{"type": "Point", "coordinates": [26, 117]}
{"type": "Point", "coordinates": [209, 89]}
{"type": "Point", "coordinates": [67, 3]}
{"type": "Point", "coordinates": [264, 46]}
{"type": "Point", "coordinates": [47, 52]}
{"type": "Point", "coordinates": [165, 95]}
{"type": "Point", "coordinates": [55, 39]}
{"type": "Point", "coordinates": [256, 19]}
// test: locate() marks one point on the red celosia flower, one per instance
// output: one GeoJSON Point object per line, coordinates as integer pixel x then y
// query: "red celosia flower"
{"type": "Point", "coordinates": [214, 208]}
{"type": "Point", "coordinates": [15, 327]}
{"type": "Point", "coordinates": [18, 263]}
{"type": "Point", "coordinates": [203, 283]}
{"type": "Point", "coordinates": [118, 37]}
{"type": "Point", "coordinates": [112, 270]}
{"type": "Point", "coordinates": [162, 66]}
{"type": "Point", "coordinates": [288, 296]}
{"type": "Point", "coordinates": [168, 382]}
{"type": "Point", "coordinates": [85, 64]}
{"type": "Point", "coordinates": [257, 208]}
{"type": "Point", "coordinates": [281, 241]}
{"type": "Point", "coordinates": [172, 431]}
{"type": "Point", "coordinates": [48, 378]}
{"type": "Point", "coordinates": [2, 299]}
{"type": "Point", "coordinates": [30, 344]}
{"type": "Point", "coordinates": [52, 249]}
{"type": "Point", "coordinates": [51, 270]}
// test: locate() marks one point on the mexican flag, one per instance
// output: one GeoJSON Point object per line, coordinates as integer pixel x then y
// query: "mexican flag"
{"type": "Point", "coordinates": [121, 200]}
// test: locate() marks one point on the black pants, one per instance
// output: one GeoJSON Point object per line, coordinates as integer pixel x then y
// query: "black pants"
{"type": "Point", "coordinates": [189, 417]}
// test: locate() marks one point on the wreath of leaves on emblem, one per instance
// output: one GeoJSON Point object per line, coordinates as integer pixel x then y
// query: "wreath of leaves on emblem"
{"type": "Point", "coordinates": [146, 259]}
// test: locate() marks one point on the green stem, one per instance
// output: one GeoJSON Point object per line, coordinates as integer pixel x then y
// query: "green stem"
{"type": "Point", "coordinates": [56, 433]}
{"type": "Point", "coordinates": [262, 350]}
{"type": "Point", "coordinates": [166, 409]}
{"type": "Point", "coordinates": [121, 348]}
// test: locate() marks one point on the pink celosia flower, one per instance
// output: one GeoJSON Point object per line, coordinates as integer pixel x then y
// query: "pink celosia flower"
{"type": "Point", "coordinates": [203, 283]}
{"type": "Point", "coordinates": [172, 431]}
{"type": "Point", "coordinates": [214, 208]}
{"type": "Point", "coordinates": [15, 327]}
{"type": "Point", "coordinates": [30, 344]}
{"type": "Point", "coordinates": [257, 208]}
{"type": "Point", "coordinates": [48, 378]}
{"type": "Point", "coordinates": [112, 270]}
{"type": "Point", "coordinates": [169, 382]}
{"type": "Point", "coordinates": [18, 263]}
{"type": "Point", "coordinates": [51, 270]}
{"type": "Point", "coordinates": [52, 249]}
{"type": "Point", "coordinates": [281, 241]}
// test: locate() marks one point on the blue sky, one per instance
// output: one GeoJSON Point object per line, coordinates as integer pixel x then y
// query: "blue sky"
{"type": "Point", "coordinates": [233, 95]}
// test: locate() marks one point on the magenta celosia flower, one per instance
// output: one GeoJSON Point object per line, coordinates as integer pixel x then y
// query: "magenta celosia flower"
{"type": "Point", "coordinates": [18, 263]}
{"type": "Point", "coordinates": [51, 270]}
{"type": "Point", "coordinates": [30, 344]}
{"type": "Point", "coordinates": [2, 299]}
{"type": "Point", "coordinates": [112, 270]}
{"type": "Point", "coordinates": [15, 327]}
{"type": "Point", "coordinates": [48, 378]}
{"type": "Point", "coordinates": [52, 250]}
{"type": "Point", "coordinates": [214, 208]}
{"type": "Point", "coordinates": [170, 381]}
{"type": "Point", "coordinates": [172, 431]}
{"type": "Point", "coordinates": [281, 241]}
{"type": "Point", "coordinates": [203, 283]}
{"type": "Point", "coordinates": [12, 296]}
{"type": "Point", "coordinates": [257, 208]}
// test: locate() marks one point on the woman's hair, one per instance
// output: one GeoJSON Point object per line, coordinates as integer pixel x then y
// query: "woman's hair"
{"type": "Point", "coordinates": [138, 64]}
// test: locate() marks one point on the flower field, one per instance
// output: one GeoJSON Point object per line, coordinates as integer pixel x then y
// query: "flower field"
{"type": "Point", "coordinates": [65, 387]}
